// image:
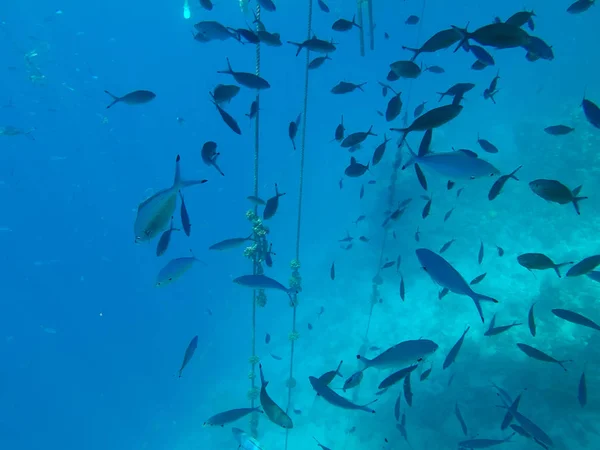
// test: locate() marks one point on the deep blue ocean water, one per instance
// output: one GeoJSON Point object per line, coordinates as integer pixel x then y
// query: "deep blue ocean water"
{"type": "Point", "coordinates": [90, 348]}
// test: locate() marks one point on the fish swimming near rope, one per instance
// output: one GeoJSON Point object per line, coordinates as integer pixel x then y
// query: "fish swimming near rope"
{"type": "Point", "coordinates": [272, 409]}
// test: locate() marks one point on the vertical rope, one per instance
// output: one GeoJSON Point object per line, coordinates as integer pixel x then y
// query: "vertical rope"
{"type": "Point", "coordinates": [359, 17]}
{"type": "Point", "coordinates": [296, 263]}
{"type": "Point", "coordinates": [255, 265]}
{"type": "Point", "coordinates": [371, 24]}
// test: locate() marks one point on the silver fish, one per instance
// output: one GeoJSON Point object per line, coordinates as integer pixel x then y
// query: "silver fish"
{"type": "Point", "coordinates": [576, 318]}
{"type": "Point", "coordinates": [228, 244]}
{"type": "Point", "coordinates": [584, 266]}
{"type": "Point", "coordinates": [165, 239]}
{"type": "Point", "coordinates": [483, 443]}
{"type": "Point", "coordinates": [210, 30]}
{"type": "Point", "coordinates": [534, 353]}
{"type": "Point", "coordinates": [556, 192]}
{"type": "Point", "coordinates": [245, 441]}
{"type": "Point", "coordinates": [272, 409]}
{"type": "Point", "coordinates": [405, 352]}
{"type": "Point", "coordinates": [262, 282]}
{"type": "Point", "coordinates": [175, 269]}
{"type": "Point", "coordinates": [455, 165]}
{"type": "Point", "coordinates": [397, 376]}
{"type": "Point", "coordinates": [223, 418]}
{"type": "Point", "coordinates": [330, 396]}
{"type": "Point", "coordinates": [154, 214]}
{"type": "Point", "coordinates": [446, 276]}
{"type": "Point", "coordinates": [534, 430]}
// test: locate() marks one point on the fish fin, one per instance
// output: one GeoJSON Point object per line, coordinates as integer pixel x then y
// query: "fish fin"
{"type": "Point", "coordinates": [177, 178]}
{"type": "Point", "coordinates": [558, 266]}
{"type": "Point", "coordinates": [412, 160]}
{"type": "Point", "coordinates": [560, 363]}
{"type": "Point", "coordinates": [262, 376]}
{"type": "Point", "coordinates": [576, 201]}
{"type": "Point", "coordinates": [421, 176]}
{"type": "Point", "coordinates": [115, 99]}
{"type": "Point", "coordinates": [364, 361]}
{"type": "Point", "coordinates": [337, 371]}
{"type": "Point", "coordinates": [479, 310]}
{"type": "Point", "coordinates": [465, 37]}
{"type": "Point", "coordinates": [416, 51]}
{"type": "Point", "coordinates": [188, 183]}
{"type": "Point", "coordinates": [370, 403]}
{"type": "Point", "coordinates": [512, 174]}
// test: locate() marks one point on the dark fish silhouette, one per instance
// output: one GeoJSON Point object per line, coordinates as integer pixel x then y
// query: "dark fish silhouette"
{"type": "Point", "coordinates": [247, 79]}
{"type": "Point", "coordinates": [272, 204]}
{"type": "Point", "coordinates": [185, 217]}
{"type": "Point", "coordinates": [189, 352]}
{"type": "Point", "coordinates": [133, 98]}
{"type": "Point", "coordinates": [230, 121]}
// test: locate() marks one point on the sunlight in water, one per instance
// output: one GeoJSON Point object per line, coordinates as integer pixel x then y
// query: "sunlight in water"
{"type": "Point", "coordinates": [186, 10]}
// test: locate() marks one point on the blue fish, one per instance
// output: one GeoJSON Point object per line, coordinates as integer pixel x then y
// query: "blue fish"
{"type": "Point", "coordinates": [154, 214]}
{"type": "Point", "coordinates": [446, 276]}
{"type": "Point", "coordinates": [482, 55]}
{"type": "Point", "coordinates": [454, 165]}
{"type": "Point", "coordinates": [175, 269]}
{"type": "Point", "coordinates": [332, 397]}
{"type": "Point", "coordinates": [189, 352]}
{"type": "Point", "coordinates": [263, 282]}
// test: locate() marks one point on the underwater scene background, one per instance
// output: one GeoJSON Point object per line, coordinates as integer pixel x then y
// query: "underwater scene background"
{"type": "Point", "coordinates": [91, 348]}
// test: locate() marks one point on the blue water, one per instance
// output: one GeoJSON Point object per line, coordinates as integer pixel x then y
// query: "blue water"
{"type": "Point", "coordinates": [90, 348]}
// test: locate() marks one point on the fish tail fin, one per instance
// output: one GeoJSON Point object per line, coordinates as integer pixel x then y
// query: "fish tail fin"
{"type": "Point", "coordinates": [512, 174]}
{"type": "Point", "coordinates": [337, 371]}
{"type": "Point", "coordinates": [262, 376]}
{"type": "Point", "coordinates": [188, 183]}
{"type": "Point", "coordinates": [576, 201]}
{"type": "Point", "coordinates": [365, 361]}
{"type": "Point", "coordinates": [442, 95]}
{"type": "Point", "coordinates": [115, 99]}
{"type": "Point", "coordinates": [558, 266]}
{"type": "Point", "coordinates": [218, 169]}
{"type": "Point", "coordinates": [416, 52]}
{"type": "Point", "coordinates": [361, 85]}
{"type": "Point", "coordinates": [370, 403]}
{"type": "Point", "coordinates": [228, 70]}
{"type": "Point", "coordinates": [404, 132]}
{"type": "Point", "coordinates": [465, 37]}
{"type": "Point", "coordinates": [477, 298]}
{"type": "Point", "coordinates": [297, 45]}
{"type": "Point", "coordinates": [508, 417]}
{"type": "Point", "coordinates": [412, 160]}
{"type": "Point", "coordinates": [561, 363]}
{"type": "Point", "coordinates": [177, 178]}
